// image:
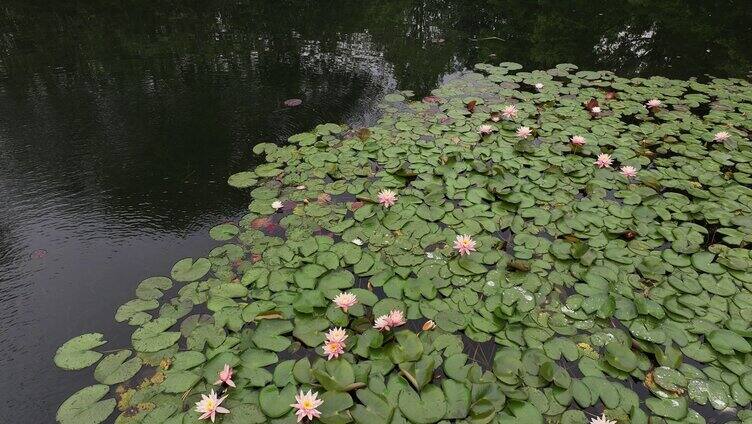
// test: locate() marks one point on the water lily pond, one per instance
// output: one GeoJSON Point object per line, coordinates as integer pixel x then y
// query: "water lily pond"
{"type": "Point", "coordinates": [517, 247]}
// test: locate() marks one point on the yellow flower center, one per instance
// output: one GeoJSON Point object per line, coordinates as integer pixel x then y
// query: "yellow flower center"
{"type": "Point", "coordinates": [307, 404]}
{"type": "Point", "coordinates": [210, 405]}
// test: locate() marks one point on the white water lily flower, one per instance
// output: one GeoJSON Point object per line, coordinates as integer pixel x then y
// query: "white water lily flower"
{"type": "Point", "coordinates": [601, 420]}
{"type": "Point", "coordinates": [721, 136]}
{"type": "Point", "coordinates": [486, 129]}
{"type": "Point", "coordinates": [357, 241]}
{"type": "Point", "coordinates": [277, 204]}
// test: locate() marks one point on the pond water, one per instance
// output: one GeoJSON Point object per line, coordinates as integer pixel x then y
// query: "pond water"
{"type": "Point", "coordinates": [120, 124]}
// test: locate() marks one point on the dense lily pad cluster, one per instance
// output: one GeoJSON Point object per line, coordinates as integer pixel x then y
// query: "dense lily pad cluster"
{"type": "Point", "coordinates": [588, 290]}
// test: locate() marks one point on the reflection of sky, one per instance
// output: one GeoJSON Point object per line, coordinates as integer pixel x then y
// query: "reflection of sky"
{"type": "Point", "coordinates": [629, 45]}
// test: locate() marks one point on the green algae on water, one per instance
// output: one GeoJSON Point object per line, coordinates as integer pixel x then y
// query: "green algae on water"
{"type": "Point", "coordinates": [589, 292]}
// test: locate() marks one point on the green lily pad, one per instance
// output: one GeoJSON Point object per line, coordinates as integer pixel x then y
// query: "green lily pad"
{"type": "Point", "coordinates": [224, 232]}
{"type": "Point", "coordinates": [117, 368]}
{"type": "Point", "coordinates": [268, 334]}
{"type": "Point", "coordinates": [427, 407]}
{"type": "Point", "coordinates": [153, 337]}
{"type": "Point", "coordinates": [186, 270]}
{"type": "Point", "coordinates": [132, 308]}
{"type": "Point", "coordinates": [372, 409]}
{"type": "Point", "coordinates": [242, 179]}
{"type": "Point", "coordinates": [152, 287]}
{"type": "Point", "coordinates": [726, 342]}
{"type": "Point", "coordinates": [275, 403]}
{"type": "Point", "coordinates": [76, 353]}
{"type": "Point", "coordinates": [620, 357]}
{"type": "Point", "coordinates": [334, 408]}
{"type": "Point", "coordinates": [245, 414]}
{"type": "Point", "coordinates": [86, 407]}
{"type": "Point", "coordinates": [675, 409]}
{"type": "Point", "coordinates": [336, 376]}
{"type": "Point", "coordinates": [179, 381]}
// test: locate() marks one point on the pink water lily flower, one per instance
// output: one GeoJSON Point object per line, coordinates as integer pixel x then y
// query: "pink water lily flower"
{"type": "Point", "coordinates": [225, 376]}
{"type": "Point", "coordinates": [464, 244]}
{"type": "Point", "coordinates": [208, 406]}
{"type": "Point", "coordinates": [604, 161]}
{"type": "Point", "coordinates": [333, 349]}
{"type": "Point", "coordinates": [509, 112]}
{"type": "Point", "coordinates": [653, 103]}
{"type": "Point", "coordinates": [485, 129]}
{"type": "Point", "coordinates": [382, 323]}
{"type": "Point", "coordinates": [345, 301]}
{"type": "Point", "coordinates": [523, 132]}
{"type": "Point", "coordinates": [335, 342]}
{"type": "Point", "coordinates": [306, 405]}
{"type": "Point", "coordinates": [337, 334]}
{"type": "Point", "coordinates": [387, 198]}
{"type": "Point", "coordinates": [721, 136]}
{"type": "Point", "coordinates": [387, 322]}
{"type": "Point", "coordinates": [397, 318]}
{"type": "Point", "coordinates": [628, 171]}
{"type": "Point", "coordinates": [578, 140]}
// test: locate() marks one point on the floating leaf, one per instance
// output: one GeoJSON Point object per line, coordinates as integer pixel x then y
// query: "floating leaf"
{"type": "Point", "coordinates": [117, 368]}
{"type": "Point", "coordinates": [427, 407]}
{"type": "Point", "coordinates": [268, 334]}
{"type": "Point", "coordinates": [179, 381]}
{"type": "Point", "coordinates": [223, 232]}
{"type": "Point", "coordinates": [275, 403]}
{"type": "Point", "coordinates": [152, 287]}
{"type": "Point", "coordinates": [152, 337]}
{"type": "Point", "coordinates": [186, 270]}
{"type": "Point", "coordinates": [76, 353]}
{"type": "Point", "coordinates": [242, 179]}
{"type": "Point", "coordinates": [620, 357]}
{"type": "Point", "coordinates": [132, 308]}
{"type": "Point", "coordinates": [675, 409]}
{"type": "Point", "coordinates": [726, 342]}
{"type": "Point", "coordinates": [86, 407]}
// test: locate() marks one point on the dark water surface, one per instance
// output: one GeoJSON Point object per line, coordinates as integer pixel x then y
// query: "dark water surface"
{"type": "Point", "coordinates": [121, 120]}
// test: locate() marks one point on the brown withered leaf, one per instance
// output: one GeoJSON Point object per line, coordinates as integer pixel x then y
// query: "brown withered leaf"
{"type": "Point", "coordinates": [363, 133]}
